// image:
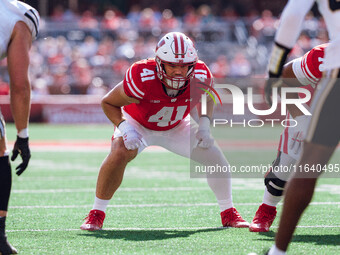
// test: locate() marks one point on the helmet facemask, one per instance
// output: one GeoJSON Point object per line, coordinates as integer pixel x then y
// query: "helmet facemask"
{"type": "Point", "coordinates": [177, 82]}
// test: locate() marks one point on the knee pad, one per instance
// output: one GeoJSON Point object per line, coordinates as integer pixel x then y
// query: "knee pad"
{"type": "Point", "coordinates": [275, 186]}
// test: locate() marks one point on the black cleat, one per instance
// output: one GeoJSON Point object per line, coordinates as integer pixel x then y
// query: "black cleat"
{"type": "Point", "coordinates": [5, 247]}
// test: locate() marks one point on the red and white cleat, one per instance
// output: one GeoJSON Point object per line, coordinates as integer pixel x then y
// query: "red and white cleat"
{"type": "Point", "coordinates": [93, 221]}
{"type": "Point", "coordinates": [231, 218]}
{"type": "Point", "coordinates": [263, 219]}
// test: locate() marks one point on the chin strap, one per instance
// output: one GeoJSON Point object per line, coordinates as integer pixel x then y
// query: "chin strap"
{"type": "Point", "coordinates": [172, 92]}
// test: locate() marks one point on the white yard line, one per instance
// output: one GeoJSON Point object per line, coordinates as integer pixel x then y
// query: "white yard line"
{"type": "Point", "coordinates": [39, 191]}
{"type": "Point", "coordinates": [333, 189]}
{"type": "Point", "coordinates": [87, 149]}
{"type": "Point", "coordinates": [148, 205]}
{"type": "Point", "coordinates": [153, 229]}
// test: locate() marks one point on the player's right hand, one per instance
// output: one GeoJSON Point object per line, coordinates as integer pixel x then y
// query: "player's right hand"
{"type": "Point", "coordinates": [203, 135]}
{"type": "Point", "coordinates": [21, 147]}
{"type": "Point", "coordinates": [271, 82]}
{"type": "Point", "coordinates": [277, 59]}
{"type": "Point", "coordinates": [132, 139]}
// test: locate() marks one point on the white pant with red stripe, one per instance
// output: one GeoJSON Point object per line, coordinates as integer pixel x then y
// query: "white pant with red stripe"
{"type": "Point", "coordinates": [182, 141]}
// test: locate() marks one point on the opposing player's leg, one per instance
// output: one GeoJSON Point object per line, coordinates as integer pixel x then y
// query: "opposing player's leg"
{"type": "Point", "coordinates": [275, 181]}
{"type": "Point", "coordinates": [5, 189]}
{"type": "Point", "coordinates": [322, 137]}
{"type": "Point", "coordinates": [220, 183]}
{"type": "Point", "coordinates": [299, 192]}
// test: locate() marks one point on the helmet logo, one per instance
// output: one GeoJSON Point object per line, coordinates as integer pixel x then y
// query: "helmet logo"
{"type": "Point", "coordinates": [179, 50]}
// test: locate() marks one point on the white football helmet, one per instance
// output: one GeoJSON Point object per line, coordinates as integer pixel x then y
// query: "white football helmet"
{"type": "Point", "coordinates": [175, 48]}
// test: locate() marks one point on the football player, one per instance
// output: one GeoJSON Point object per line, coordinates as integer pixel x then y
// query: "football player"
{"type": "Point", "coordinates": [323, 129]}
{"type": "Point", "coordinates": [19, 24]}
{"type": "Point", "coordinates": [151, 106]}
{"type": "Point", "coordinates": [305, 71]}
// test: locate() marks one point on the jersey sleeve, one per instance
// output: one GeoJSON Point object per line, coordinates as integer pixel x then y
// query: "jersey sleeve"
{"type": "Point", "coordinates": [308, 69]}
{"type": "Point", "coordinates": [210, 76]}
{"type": "Point", "coordinates": [31, 17]}
{"type": "Point", "coordinates": [132, 83]}
{"type": "Point", "coordinates": [202, 73]}
{"type": "Point", "coordinates": [204, 82]}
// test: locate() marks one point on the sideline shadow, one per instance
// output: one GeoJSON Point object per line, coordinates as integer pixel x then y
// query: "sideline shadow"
{"type": "Point", "coordinates": [145, 235]}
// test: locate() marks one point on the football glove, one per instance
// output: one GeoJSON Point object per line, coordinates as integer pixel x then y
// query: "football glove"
{"type": "Point", "coordinates": [21, 147]}
{"type": "Point", "coordinates": [277, 59]}
{"type": "Point", "coordinates": [132, 139]}
{"type": "Point", "coordinates": [203, 135]}
{"type": "Point", "coordinates": [270, 84]}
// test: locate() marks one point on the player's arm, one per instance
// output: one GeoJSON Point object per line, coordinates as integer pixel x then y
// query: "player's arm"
{"type": "Point", "coordinates": [203, 135]}
{"type": "Point", "coordinates": [291, 21]}
{"type": "Point", "coordinates": [18, 62]}
{"type": "Point", "coordinates": [113, 101]}
{"type": "Point", "coordinates": [285, 39]}
{"type": "Point", "coordinates": [210, 109]}
{"type": "Point", "coordinates": [290, 80]}
{"type": "Point", "coordinates": [210, 103]}
{"type": "Point", "coordinates": [111, 104]}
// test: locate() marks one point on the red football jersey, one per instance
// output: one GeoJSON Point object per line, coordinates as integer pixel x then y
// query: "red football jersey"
{"type": "Point", "coordinates": [156, 110]}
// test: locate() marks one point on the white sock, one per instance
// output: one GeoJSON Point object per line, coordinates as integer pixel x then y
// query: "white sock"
{"type": "Point", "coordinates": [269, 199]}
{"type": "Point", "coordinates": [276, 251]}
{"type": "Point", "coordinates": [225, 204]}
{"type": "Point", "coordinates": [222, 190]}
{"type": "Point", "coordinates": [100, 204]}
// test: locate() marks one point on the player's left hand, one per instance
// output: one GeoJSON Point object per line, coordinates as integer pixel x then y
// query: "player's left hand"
{"type": "Point", "coordinates": [203, 135]}
{"type": "Point", "coordinates": [205, 139]}
{"type": "Point", "coordinates": [21, 147]}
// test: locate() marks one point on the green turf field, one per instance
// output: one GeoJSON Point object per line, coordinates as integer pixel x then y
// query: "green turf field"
{"type": "Point", "coordinates": [158, 210]}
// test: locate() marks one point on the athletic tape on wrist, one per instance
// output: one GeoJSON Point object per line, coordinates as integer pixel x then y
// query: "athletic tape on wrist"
{"type": "Point", "coordinates": [204, 123]}
{"type": "Point", "coordinates": [23, 133]}
{"type": "Point", "coordinates": [124, 126]}
{"type": "Point", "coordinates": [277, 59]}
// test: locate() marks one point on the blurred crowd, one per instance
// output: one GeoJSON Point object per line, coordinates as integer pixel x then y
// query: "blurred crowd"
{"type": "Point", "coordinates": [87, 54]}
